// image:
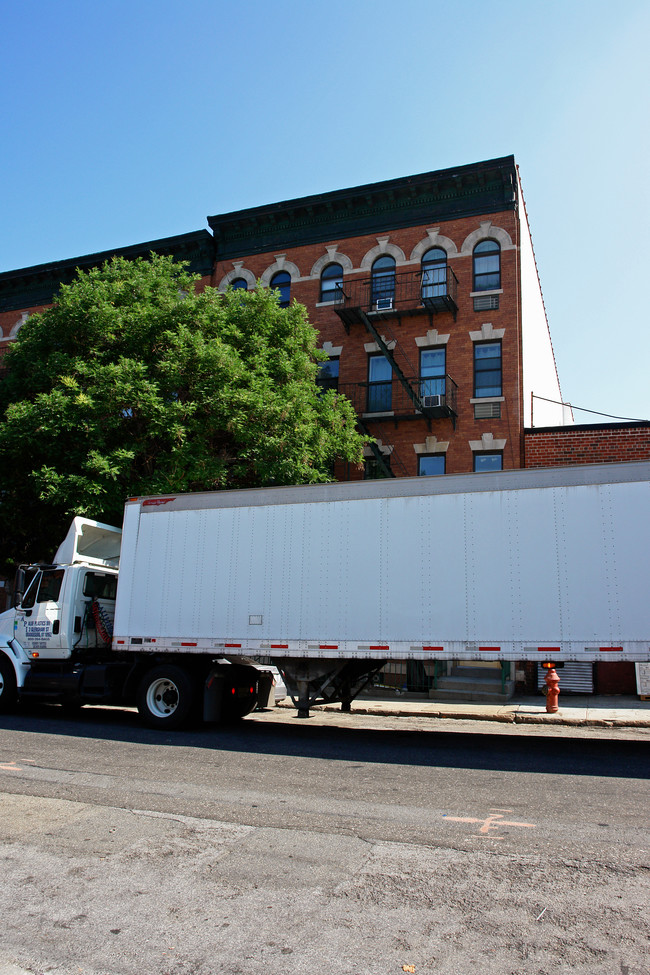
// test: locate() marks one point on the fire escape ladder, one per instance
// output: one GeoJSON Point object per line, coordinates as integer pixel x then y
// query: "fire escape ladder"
{"type": "Point", "coordinates": [374, 446]}
{"type": "Point", "coordinates": [388, 353]}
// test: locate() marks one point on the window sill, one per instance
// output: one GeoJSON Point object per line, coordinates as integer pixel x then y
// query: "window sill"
{"type": "Point", "coordinates": [492, 291]}
{"type": "Point", "coordinates": [488, 399]}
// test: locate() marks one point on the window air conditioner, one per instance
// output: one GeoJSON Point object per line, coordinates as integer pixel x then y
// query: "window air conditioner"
{"type": "Point", "coordinates": [432, 400]}
{"type": "Point", "coordinates": [383, 304]}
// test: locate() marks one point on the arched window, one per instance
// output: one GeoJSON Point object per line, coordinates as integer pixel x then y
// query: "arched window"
{"type": "Point", "coordinates": [282, 283]}
{"type": "Point", "coordinates": [434, 273]}
{"type": "Point", "coordinates": [331, 282]}
{"type": "Point", "coordinates": [382, 285]}
{"type": "Point", "coordinates": [239, 283]}
{"type": "Point", "coordinates": [487, 266]}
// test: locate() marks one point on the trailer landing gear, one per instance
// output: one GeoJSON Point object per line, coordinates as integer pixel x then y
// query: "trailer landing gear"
{"type": "Point", "coordinates": [324, 681]}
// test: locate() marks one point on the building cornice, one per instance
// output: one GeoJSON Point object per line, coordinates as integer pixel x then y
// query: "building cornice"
{"type": "Point", "coordinates": [31, 286]}
{"type": "Point", "coordinates": [476, 189]}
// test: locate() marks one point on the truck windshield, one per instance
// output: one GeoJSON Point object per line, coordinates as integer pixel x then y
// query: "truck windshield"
{"type": "Point", "coordinates": [44, 588]}
{"type": "Point", "coordinates": [50, 587]}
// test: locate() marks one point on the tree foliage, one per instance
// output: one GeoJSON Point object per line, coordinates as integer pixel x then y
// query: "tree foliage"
{"type": "Point", "coordinates": [136, 383]}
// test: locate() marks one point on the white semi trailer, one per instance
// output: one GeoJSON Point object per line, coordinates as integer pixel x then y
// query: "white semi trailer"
{"type": "Point", "coordinates": [331, 581]}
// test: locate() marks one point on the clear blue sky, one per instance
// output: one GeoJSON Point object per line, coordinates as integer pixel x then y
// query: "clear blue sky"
{"type": "Point", "coordinates": [128, 120]}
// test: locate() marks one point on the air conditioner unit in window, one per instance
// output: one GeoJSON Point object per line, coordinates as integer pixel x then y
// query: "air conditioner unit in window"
{"type": "Point", "coordinates": [432, 400]}
{"type": "Point", "coordinates": [383, 304]}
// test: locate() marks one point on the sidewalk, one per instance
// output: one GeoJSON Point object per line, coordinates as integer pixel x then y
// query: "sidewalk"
{"type": "Point", "coordinates": [574, 709]}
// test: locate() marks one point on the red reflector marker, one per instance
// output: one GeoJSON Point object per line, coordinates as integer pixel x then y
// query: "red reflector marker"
{"type": "Point", "coordinates": [188, 644]}
{"type": "Point", "coordinates": [550, 649]}
{"type": "Point", "coordinates": [232, 644]}
{"type": "Point", "coordinates": [328, 646]}
{"type": "Point", "coordinates": [379, 648]}
{"type": "Point", "coordinates": [490, 649]}
{"type": "Point", "coordinates": [611, 649]}
{"type": "Point", "coordinates": [433, 649]}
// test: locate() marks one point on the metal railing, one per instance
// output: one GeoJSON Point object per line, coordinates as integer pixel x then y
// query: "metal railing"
{"type": "Point", "coordinates": [435, 289]}
{"type": "Point", "coordinates": [436, 397]}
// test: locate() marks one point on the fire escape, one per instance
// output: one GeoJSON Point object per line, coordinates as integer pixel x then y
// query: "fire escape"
{"type": "Point", "coordinates": [377, 303]}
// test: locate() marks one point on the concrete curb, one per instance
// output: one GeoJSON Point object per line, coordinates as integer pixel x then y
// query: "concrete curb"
{"type": "Point", "coordinates": [497, 713]}
{"type": "Point", "coordinates": [507, 718]}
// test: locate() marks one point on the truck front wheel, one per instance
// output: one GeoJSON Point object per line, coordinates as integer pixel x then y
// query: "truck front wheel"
{"type": "Point", "coordinates": [166, 697]}
{"type": "Point", "coordinates": [8, 693]}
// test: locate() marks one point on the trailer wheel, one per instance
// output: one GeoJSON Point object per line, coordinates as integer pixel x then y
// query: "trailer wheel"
{"type": "Point", "coordinates": [8, 694]}
{"type": "Point", "coordinates": [166, 697]}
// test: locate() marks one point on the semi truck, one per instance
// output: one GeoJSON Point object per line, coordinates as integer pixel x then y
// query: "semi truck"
{"type": "Point", "coordinates": [329, 582]}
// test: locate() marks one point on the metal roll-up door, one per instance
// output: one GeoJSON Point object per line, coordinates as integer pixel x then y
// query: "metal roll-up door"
{"type": "Point", "coordinates": [574, 676]}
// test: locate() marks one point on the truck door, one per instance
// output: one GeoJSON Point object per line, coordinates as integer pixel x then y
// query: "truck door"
{"type": "Point", "coordinates": [38, 621]}
{"type": "Point", "coordinates": [95, 609]}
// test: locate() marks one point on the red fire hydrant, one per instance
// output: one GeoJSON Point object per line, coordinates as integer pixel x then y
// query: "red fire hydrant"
{"type": "Point", "coordinates": [552, 682]}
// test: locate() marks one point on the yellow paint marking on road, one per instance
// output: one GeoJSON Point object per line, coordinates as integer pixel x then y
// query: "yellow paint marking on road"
{"type": "Point", "coordinates": [491, 822]}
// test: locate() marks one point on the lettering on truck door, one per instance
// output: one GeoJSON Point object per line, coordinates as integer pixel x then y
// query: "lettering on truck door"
{"type": "Point", "coordinates": [38, 625]}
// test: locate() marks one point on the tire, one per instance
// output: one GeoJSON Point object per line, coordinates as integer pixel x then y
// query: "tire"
{"type": "Point", "coordinates": [166, 697]}
{"type": "Point", "coordinates": [8, 692]}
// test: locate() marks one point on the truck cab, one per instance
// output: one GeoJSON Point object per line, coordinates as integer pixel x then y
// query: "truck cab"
{"type": "Point", "coordinates": [61, 611]}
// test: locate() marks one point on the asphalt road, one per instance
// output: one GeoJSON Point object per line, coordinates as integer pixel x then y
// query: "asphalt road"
{"type": "Point", "coordinates": [340, 844]}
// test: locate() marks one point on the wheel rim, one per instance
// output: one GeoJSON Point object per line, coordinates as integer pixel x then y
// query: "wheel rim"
{"type": "Point", "coordinates": [162, 698]}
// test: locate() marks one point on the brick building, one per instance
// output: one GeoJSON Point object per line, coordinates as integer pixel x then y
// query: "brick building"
{"type": "Point", "coordinates": [426, 296]}
{"type": "Point", "coordinates": [424, 291]}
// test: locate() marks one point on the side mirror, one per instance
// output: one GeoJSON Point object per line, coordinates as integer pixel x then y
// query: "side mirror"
{"type": "Point", "coordinates": [19, 588]}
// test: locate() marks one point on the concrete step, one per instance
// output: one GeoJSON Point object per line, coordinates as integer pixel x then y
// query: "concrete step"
{"type": "Point", "coordinates": [472, 689]}
{"type": "Point", "coordinates": [477, 697]}
{"type": "Point", "coordinates": [469, 684]}
{"type": "Point", "coordinates": [480, 673]}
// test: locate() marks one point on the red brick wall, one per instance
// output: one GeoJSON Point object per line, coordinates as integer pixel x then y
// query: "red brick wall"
{"type": "Point", "coordinates": [594, 444]}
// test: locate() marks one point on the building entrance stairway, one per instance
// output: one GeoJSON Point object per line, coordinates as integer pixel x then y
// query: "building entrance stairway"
{"type": "Point", "coordinates": [490, 685]}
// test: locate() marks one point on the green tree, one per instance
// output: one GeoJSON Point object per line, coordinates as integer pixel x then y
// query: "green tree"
{"type": "Point", "coordinates": [136, 383]}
